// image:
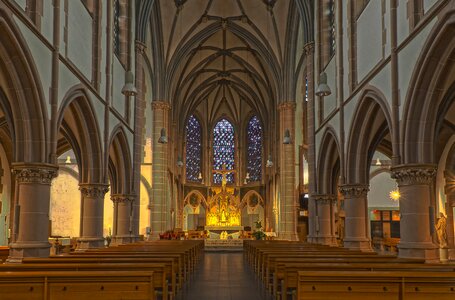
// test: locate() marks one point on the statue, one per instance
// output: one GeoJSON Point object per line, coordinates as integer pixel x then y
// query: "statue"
{"type": "Point", "coordinates": [441, 230]}
{"type": "Point", "coordinates": [223, 173]}
{"type": "Point", "coordinates": [223, 218]}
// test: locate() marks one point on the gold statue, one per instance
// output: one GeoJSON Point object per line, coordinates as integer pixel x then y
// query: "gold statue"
{"type": "Point", "coordinates": [441, 230]}
{"type": "Point", "coordinates": [223, 216]}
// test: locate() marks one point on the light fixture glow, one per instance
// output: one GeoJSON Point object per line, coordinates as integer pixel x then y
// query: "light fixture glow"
{"type": "Point", "coordinates": [395, 195]}
{"type": "Point", "coordinates": [378, 162]}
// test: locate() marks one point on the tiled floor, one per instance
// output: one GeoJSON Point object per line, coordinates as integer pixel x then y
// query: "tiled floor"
{"type": "Point", "coordinates": [223, 276]}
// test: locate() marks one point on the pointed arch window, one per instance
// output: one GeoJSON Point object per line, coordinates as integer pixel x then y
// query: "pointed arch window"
{"type": "Point", "coordinates": [254, 149]}
{"type": "Point", "coordinates": [223, 149]}
{"type": "Point", "coordinates": [193, 149]}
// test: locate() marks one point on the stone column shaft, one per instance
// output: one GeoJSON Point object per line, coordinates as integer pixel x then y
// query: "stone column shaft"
{"type": "Point", "coordinates": [325, 233]}
{"type": "Point", "coordinates": [288, 205]}
{"type": "Point", "coordinates": [160, 209]}
{"type": "Point", "coordinates": [355, 206]}
{"type": "Point", "coordinates": [415, 234]}
{"type": "Point", "coordinates": [450, 206]}
{"type": "Point", "coordinates": [92, 215]}
{"type": "Point", "coordinates": [33, 187]}
{"type": "Point", "coordinates": [123, 215]}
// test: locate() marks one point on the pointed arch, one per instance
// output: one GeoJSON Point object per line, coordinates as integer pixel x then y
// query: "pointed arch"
{"type": "Point", "coordinates": [370, 124]}
{"type": "Point", "coordinates": [328, 167]}
{"type": "Point", "coordinates": [247, 196]}
{"type": "Point", "coordinates": [120, 156]}
{"type": "Point", "coordinates": [78, 124]}
{"type": "Point", "coordinates": [223, 148]}
{"type": "Point", "coordinates": [23, 91]}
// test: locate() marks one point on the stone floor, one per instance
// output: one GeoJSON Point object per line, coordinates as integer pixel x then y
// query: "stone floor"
{"type": "Point", "coordinates": [223, 276]}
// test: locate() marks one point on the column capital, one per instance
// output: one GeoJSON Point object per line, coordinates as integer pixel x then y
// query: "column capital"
{"type": "Point", "coordinates": [324, 198]}
{"type": "Point", "coordinates": [121, 198]}
{"type": "Point", "coordinates": [354, 190]}
{"type": "Point", "coordinates": [287, 105]}
{"type": "Point", "coordinates": [411, 174]}
{"type": "Point", "coordinates": [38, 173]}
{"type": "Point", "coordinates": [308, 48]}
{"type": "Point", "coordinates": [93, 190]}
{"type": "Point", "coordinates": [140, 46]}
{"type": "Point", "coordinates": [160, 105]}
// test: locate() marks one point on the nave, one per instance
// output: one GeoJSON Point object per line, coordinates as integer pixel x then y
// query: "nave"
{"type": "Point", "coordinates": [223, 276]}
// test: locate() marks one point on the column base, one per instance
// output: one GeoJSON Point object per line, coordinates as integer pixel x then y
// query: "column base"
{"type": "Point", "coordinates": [89, 243]}
{"type": "Point", "coordinates": [311, 239]}
{"type": "Point", "coordinates": [19, 250]}
{"type": "Point", "coordinates": [122, 239]}
{"type": "Point", "coordinates": [327, 240]}
{"type": "Point", "coordinates": [360, 244]}
{"type": "Point", "coordinates": [427, 251]}
{"type": "Point", "coordinates": [290, 236]}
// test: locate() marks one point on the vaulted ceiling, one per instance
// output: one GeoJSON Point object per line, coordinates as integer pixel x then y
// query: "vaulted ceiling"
{"type": "Point", "coordinates": [225, 57]}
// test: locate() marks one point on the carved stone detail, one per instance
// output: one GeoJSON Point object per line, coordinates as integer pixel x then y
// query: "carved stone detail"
{"type": "Point", "coordinates": [414, 174]}
{"type": "Point", "coordinates": [140, 46]}
{"type": "Point", "coordinates": [308, 49]}
{"type": "Point", "coordinates": [160, 105]}
{"type": "Point", "coordinates": [354, 190]}
{"type": "Point", "coordinates": [122, 198]}
{"type": "Point", "coordinates": [324, 198]}
{"type": "Point", "coordinates": [288, 105]}
{"type": "Point", "coordinates": [35, 174]}
{"type": "Point", "coordinates": [94, 190]}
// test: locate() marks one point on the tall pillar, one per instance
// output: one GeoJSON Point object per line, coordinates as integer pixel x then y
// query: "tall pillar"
{"type": "Point", "coordinates": [32, 211]}
{"type": "Point", "coordinates": [414, 182]}
{"type": "Point", "coordinates": [309, 54]}
{"type": "Point", "coordinates": [123, 217]}
{"type": "Point", "coordinates": [356, 226]}
{"type": "Point", "coordinates": [324, 226]}
{"type": "Point", "coordinates": [288, 205]}
{"type": "Point", "coordinates": [160, 208]}
{"type": "Point", "coordinates": [92, 215]}
{"type": "Point", "coordinates": [450, 207]}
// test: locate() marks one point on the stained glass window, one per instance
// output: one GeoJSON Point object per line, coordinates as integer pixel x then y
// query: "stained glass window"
{"type": "Point", "coordinates": [254, 148]}
{"type": "Point", "coordinates": [117, 27]}
{"type": "Point", "coordinates": [223, 149]}
{"type": "Point", "coordinates": [332, 28]}
{"type": "Point", "coordinates": [193, 149]}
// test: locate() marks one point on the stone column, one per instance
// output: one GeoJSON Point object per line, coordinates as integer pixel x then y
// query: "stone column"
{"type": "Point", "coordinates": [160, 209]}
{"type": "Point", "coordinates": [356, 218]}
{"type": "Point", "coordinates": [32, 212]}
{"type": "Point", "coordinates": [92, 208]}
{"type": "Point", "coordinates": [414, 182]}
{"type": "Point", "coordinates": [325, 233]}
{"type": "Point", "coordinates": [288, 205]}
{"type": "Point", "coordinates": [123, 217]}
{"type": "Point", "coordinates": [450, 206]}
{"type": "Point", "coordinates": [309, 54]}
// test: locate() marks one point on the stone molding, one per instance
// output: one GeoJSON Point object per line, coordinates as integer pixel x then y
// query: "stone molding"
{"type": "Point", "coordinates": [354, 190]}
{"type": "Point", "coordinates": [160, 105]}
{"type": "Point", "coordinates": [324, 198]}
{"type": "Point", "coordinates": [287, 105]}
{"type": "Point", "coordinates": [35, 173]}
{"type": "Point", "coordinates": [140, 46]}
{"type": "Point", "coordinates": [119, 198]}
{"type": "Point", "coordinates": [94, 190]}
{"type": "Point", "coordinates": [308, 49]}
{"type": "Point", "coordinates": [414, 174]}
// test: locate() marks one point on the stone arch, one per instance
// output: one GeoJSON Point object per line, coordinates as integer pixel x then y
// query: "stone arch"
{"type": "Point", "coordinates": [370, 124]}
{"type": "Point", "coordinates": [78, 124]}
{"type": "Point", "coordinates": [22, 90]}
{"type": "Point", "coordinates": [426, 100]}
{"type": "Point", "coordinates": [120, 156]}
{"type": "Point", "coordinates": [328, 163]}
{"type": "Point", "coordinates": [247, 196]}
{"type": "Point", "coordinates": [201, 197]}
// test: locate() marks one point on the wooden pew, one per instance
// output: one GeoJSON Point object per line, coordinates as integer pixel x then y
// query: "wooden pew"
{"type": "Point", "coordinates": [376, 285]}
{"type": "Point", "coordinates": [4, 253]}
{"type": "Point", "coordinates": [69, 285]}
{"type": "Point", "coordinates": [165, 276]}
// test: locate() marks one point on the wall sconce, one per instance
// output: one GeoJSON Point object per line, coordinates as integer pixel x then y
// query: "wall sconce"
{"type": "Point", "coordinates": [378, 162]}
{"type": "Point", "coordinates": [179, 161]}
{"type": "Point", "coordinates": [287, 137]}
{"type": "Point", "coordinates": [199, 176]}
{"type": "Point", "coordinates": [163, 137]}
{"type": "Point", "coordinates": [129, 89]}
{"type": "Point", "coordinates": [395, 195]}
{"type": "Point", "coordinates": [269, 162]}
{"type": "Point", "coordinates": [323, 89]}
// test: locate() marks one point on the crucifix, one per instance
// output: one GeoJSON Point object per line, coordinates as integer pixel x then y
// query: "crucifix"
{"type": "Point", "coordinates": [223, 173]}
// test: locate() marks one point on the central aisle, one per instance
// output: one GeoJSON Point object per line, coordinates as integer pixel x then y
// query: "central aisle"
{"type": "Point", "coordinates": [223, 276]}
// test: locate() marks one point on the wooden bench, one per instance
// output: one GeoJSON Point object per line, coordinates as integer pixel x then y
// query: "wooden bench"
{"type": "Point", "coordinates": [376, 285]}
{"type": "Point", "coordinates": [69, 285]}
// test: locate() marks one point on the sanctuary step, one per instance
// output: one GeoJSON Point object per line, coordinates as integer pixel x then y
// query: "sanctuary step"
{"type": "Point", "coordinates": [223, 245]}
